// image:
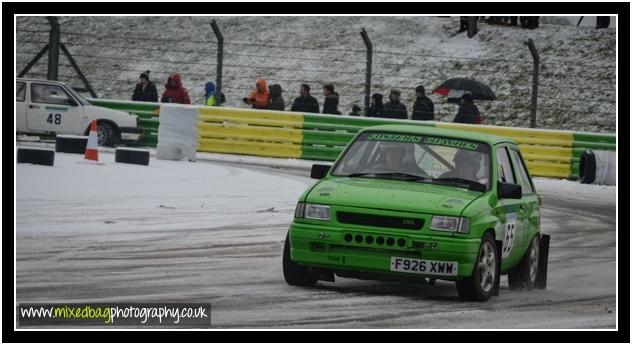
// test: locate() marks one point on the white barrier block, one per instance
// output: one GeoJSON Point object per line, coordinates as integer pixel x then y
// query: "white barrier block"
{"type": "Point", "coordinates": [177, 132]}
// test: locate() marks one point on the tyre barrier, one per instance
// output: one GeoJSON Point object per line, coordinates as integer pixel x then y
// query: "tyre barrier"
{"type": "Point", "coordinates": [71, 144]}
{"type": "Point", "coordinates": [131, 156]}
{"type": "Point", "coordinates": [598, 167]}
{"type": "Point", "coordinates": [36, 156]}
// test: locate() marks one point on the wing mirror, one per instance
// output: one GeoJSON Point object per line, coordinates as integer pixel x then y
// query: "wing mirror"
{"type": "Point", "coordinates": [319, 171]}
{"type": "Point", "coordinates": [509, 190]}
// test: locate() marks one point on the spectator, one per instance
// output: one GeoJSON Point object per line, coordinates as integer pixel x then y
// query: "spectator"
{"type": "Point", "coordinates": [276, 99]}
{"type": "Point", "coordinates": [468, 112]}
{"type": "Point", "coordinates": [355, 110]}
{"type": "Point", "coordinates": [376, 107]}
{"type": "Point", "coordinates": [394, 109]}
{"type": "Point", "coordinates": [513, 20]}
{"type": "Point", "coordinates": [305, 103]}
{"type": "Point", "coordinates": [603, 22]}
{"type": "Point", "coordinates": [331, 100]}
{"type": "Point", "coordinates": [423, 108]}
{"type": "Point", "coordinates": [211, 96]}
{"type": "Point", "coordinates": [175, 91]}
{"type": "Point", "coordinates": [462, 24]}
{"type": "Point", "coordinates": [260, 97]}
{"type": "Point", "coordinates": [529, 22]}
{"type": "Point", "coordinates": [145, 90]}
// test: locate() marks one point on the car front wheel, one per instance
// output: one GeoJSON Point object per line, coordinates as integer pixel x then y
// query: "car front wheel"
{"type": "Point", "coordinates": [294, 273]}
{"type": "Point", "coordinates": [480, 285]}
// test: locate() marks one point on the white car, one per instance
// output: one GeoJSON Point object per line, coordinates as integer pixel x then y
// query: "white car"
{"type": "Point", "coordinates": [52, 107]}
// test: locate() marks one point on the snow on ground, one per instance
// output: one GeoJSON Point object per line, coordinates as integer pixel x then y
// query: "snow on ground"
{"type": "Point", "coordinates": [212, 232]}
{"type": "Point", "coordinates": [75, 196]}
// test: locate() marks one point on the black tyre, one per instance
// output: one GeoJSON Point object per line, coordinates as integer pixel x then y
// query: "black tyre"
{"type": "Point", "coordinates": [106, 136]}
{"type": "Point", "coordinates": [36, 156]}
{"type": "Point", "coordinates": [525, 274]}
{"type": "Point", "coordinates": [294, 273]}
{"type": "Point", "coordinates": [131, 156]}
{"type": "Point", "coordinates": [71, 144]}
{"type": "Point", "coordinates": [480, 286]}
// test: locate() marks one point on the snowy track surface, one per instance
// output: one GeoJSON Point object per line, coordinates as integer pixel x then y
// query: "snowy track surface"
{"type": "Point", "coordinates": [213, 233]}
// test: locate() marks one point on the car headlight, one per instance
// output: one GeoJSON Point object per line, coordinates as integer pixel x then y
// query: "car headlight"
{"type": "Point", "coordinates": [312, 211]}
{"type": "Point", "coordinates": [452, 224]}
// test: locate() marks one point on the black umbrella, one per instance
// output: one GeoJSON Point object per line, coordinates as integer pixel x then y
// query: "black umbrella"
{"type": "Point", "coordinates": [465, 85]}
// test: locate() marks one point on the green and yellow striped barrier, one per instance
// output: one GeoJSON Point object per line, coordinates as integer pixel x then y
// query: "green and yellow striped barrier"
{"type": "Point", "coordinates": [548, 153]}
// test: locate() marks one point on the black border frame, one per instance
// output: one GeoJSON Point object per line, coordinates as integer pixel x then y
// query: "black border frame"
{"type": "Point", "coordinates": [369, 336]}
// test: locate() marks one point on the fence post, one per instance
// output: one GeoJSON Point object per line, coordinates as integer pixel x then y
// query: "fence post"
{"type": "Point", "coordinates": [369, 60]}
{"type": "Point", "coordinates": [53, 49]}
{"type": "Point", "coordinates": [220, 60]}
{"type": "Point", "coordinates": [536, 73]}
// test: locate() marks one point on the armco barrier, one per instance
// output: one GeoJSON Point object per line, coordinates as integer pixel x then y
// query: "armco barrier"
{"type": "Point", "coordinates": [548, 153]}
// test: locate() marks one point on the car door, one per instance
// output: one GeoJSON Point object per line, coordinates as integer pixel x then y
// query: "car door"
{"type": "Point", "coordinates": [53, 109]}
{"type": "Point", "coordinates": [512, 210]}
{"type": "Point", "coordinates": [530, 200]}
{"type": "Point", "coordinates": [20, 106]}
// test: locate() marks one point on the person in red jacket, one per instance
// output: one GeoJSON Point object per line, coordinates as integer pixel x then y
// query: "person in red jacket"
{"type": "Point", "coordinates": [175, 91]}
{"type": "Point", "coordinates": [259, 98]}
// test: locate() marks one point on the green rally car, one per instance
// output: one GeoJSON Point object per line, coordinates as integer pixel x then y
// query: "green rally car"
{"type": "Point", "coordinates": [417, 203]}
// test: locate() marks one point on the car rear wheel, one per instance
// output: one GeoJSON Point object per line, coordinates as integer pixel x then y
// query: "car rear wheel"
{"type": "Point", "coordinates": [480, 285]}
{"type": "Point", "coordinates": [105, 134]}
{"type": "Point", "coordinates": [524, 275]}
{"type": "Point", "coordinates": [294, 273]}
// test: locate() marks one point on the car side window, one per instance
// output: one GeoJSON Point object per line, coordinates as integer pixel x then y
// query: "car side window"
{"type": "Point", "coordinates": [52, 94]}
{"type": "Point", "coordinates": [20, 91]}
{"type": "Point", "coordinates": [522, 172]}
{"type": "Point", "coordinates": [505, 172]}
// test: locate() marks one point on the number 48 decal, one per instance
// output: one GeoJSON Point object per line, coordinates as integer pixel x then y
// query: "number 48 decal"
{"type": "Point", "coordinates": [56, 120]}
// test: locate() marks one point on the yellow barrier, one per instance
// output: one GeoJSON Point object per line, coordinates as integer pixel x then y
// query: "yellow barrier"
{"type": "Point", "coordinates": [250, 132]}
{"type": "Point", "coordinates": [245, 132]}
{"type": "Point", "coordinates": [546, 152]}
{"type": "Point", "coordinates": [255, 148]}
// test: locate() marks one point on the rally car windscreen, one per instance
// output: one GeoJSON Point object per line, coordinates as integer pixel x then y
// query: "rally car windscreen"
{"type": "Point", "coordinates": [433, 159]}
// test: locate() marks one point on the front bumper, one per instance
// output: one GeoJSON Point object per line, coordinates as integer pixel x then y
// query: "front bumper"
{"type": "Point", "coordinates": [130, 133]}
{"type": "Point", "coordinates": [329, 247]}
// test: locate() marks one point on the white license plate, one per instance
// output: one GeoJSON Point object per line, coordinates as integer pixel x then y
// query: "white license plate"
{"type": "Point", "coordinates": [431, 267]}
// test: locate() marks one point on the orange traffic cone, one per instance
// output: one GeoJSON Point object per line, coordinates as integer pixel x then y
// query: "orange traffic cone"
{"type": "Point", "coordinates": [91, 149]}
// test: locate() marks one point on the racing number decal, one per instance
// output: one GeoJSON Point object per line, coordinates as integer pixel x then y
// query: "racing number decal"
{"type": "Point", "coordinates": [56, 120]}
{"type": "Point", "coordinates": [510, 234]}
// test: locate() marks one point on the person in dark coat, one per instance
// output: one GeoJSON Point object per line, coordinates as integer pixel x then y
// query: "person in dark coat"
{"type": "Point", "coordinates": [145, 90]}
{"type": "Point", "coordinates": [330, 106]}
{"type": "Point", "coordinates": [355, 110]}
{"type": "Point", "coordinates": [395, 109]}
{"type": "Point", "coordinates": [376, 107]}
{"type": "Point", "coordinates": [175, 92]}
{"type": "Point", "coordinates": [468, 112]}
{"type": "Point", "coordinates": [423, 109]}
{"type": "Point", "coordinates": [603, 22]}
{"type": "Point", "coordinates": [305, 103]}
{"type": "Point", "coordinates": [529, 22]}
{"type": "Point", "coordinates": [276, 99]}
